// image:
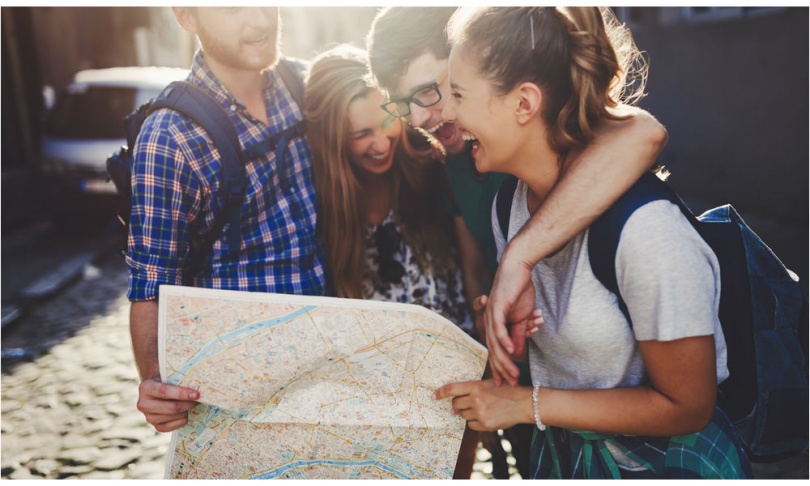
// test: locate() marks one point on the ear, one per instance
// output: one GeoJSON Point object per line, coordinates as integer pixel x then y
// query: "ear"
{"type": "Point", "coordinates": [529, 101]}
{"type": "Point", "coordinates": [186, 19]}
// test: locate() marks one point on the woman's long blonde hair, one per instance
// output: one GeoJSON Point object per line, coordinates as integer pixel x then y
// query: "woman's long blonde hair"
{"type": "Point", "coordinates": [337, 77]}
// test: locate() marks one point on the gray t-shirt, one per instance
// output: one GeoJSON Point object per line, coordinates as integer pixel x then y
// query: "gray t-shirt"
{"type": "Point", "coordinates": [668, 276]}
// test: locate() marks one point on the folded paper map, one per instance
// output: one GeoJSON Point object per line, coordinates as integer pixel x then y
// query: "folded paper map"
{"type": "Point", "coordinates": [312, 387]}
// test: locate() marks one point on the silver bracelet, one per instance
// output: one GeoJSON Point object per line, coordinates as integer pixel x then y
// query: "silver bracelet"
{"type": "Point", "coordinates": [536, 408]}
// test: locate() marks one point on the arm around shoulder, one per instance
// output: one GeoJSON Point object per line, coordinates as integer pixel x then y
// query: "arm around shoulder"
{"type": "Point", "coordinates": [592, 179]}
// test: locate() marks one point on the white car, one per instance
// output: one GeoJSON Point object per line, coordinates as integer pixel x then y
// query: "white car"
{"type": "Point", "coordinates": [84, 127]}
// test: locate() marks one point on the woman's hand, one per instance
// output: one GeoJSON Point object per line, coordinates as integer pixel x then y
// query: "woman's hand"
{"type": "Point", "coordinates": [510, 317]}
{"type": "Point", "coordinates": [486, 406]}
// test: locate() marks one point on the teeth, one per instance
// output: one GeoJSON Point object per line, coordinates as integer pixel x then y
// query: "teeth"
{"type": "Point", "coordinates": [431, 130]}
{"type": "Point", "coordinates": [379, 157]}
{"type": "Point", "coordinates": [467, 136]}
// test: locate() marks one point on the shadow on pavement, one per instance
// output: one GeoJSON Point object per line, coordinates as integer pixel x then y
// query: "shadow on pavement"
{"type": "Point", "coordinates": [53, 286]}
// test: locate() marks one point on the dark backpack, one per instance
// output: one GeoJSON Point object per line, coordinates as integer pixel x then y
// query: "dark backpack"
{"type": "Point", "coordinates": [199, 107]}
{"type": "Point", "coordinates": [763, 313]}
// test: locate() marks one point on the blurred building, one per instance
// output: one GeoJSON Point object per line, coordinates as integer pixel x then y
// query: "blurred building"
{"type": "Point", "coordinates": [731, 86]}
{"type": "Point", "coordinates": [42, 49]}
{"type": "Point", "coordinates": [308, 31]}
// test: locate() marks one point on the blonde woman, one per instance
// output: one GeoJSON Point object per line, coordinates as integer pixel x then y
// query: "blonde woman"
{"type": "Point", "coordinates": [380, 202]}
{"type": "Point", "coordinates": [381, 214]}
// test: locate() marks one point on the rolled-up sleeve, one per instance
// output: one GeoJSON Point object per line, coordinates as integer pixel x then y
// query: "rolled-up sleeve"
{"type": "Point", "coordinates": [165, 198]}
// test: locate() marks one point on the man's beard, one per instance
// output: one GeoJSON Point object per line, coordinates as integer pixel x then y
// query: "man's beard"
{"type": "Point", "coordinates": [231, 56]}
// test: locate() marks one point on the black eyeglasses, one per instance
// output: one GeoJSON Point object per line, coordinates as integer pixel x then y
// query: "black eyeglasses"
{"type": "Point", "coordinates": [388, 240]}
{"type": "Point", "coordinates": [427, 96]}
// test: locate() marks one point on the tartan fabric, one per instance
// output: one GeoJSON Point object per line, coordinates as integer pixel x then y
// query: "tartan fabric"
{"type": "Point", "coordinates": [175, 197]}
{"type": "Point", "coordinates": [712, 453]}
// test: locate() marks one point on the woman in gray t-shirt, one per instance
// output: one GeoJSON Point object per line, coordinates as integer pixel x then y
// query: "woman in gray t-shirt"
{"type": "Point", "coordinates": [529, 85]}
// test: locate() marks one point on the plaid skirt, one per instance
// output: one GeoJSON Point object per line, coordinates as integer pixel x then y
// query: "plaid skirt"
{"type": "Point", "coordinates": [713, 453]}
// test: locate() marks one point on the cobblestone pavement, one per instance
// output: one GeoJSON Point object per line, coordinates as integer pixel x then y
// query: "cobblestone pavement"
{"type": "Point", "coordinates": [68, 404]}
{"type": "Point", "coordinates": [69, 388]}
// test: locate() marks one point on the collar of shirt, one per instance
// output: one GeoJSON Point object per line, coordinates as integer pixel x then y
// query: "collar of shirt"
{"type": "Point", "coordinates": [202, 75]}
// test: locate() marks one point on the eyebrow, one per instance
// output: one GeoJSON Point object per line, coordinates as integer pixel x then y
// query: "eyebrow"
{"type": "Point", "coordinates": [456, 86]}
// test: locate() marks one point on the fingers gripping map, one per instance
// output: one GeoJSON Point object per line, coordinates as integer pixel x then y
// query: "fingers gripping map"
{"type": "Point", "coordinates": [312, 387]}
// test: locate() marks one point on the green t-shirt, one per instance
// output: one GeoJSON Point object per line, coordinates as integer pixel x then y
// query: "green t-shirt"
{"type": "Point", "coordinates": [474, 193]}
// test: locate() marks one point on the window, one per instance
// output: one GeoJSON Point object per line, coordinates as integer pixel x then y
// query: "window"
{"type": "Point", "coordinates": [91, 112]}
{"type": "Point", "coordinates": [628, 15]}
{"type": "Point", "coordinates": [713, 14]}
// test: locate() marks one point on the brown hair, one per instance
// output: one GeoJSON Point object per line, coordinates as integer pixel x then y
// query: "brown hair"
{"type": "Point", "coordinates": [399, 35]}
{"type": "Point", "coordinates": [336, 78]}
{"type": "Point", "coordinates": [581, 58]}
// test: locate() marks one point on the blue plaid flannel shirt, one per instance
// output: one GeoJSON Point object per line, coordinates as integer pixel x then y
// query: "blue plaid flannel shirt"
{"type": "Point", "coordinates": [175, 180]}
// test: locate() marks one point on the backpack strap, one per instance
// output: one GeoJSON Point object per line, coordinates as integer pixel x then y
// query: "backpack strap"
{"type": "Point", "coordinates": [292, 73]}
{"type": "Point", "coordinates": [605, 232]}
{"type": "Point", "coordinates": [503, 203]}
{"type": "Point", "coordinates": [195, 104]}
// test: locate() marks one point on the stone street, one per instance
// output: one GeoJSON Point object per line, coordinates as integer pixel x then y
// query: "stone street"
{"type": "Point", "coordinates": [68, 402]}
{"type": "Point", "coordinates": [69, 389]}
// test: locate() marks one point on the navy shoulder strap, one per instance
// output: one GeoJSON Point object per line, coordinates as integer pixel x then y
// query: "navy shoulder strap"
{"type": "Point", "coordinates": [292, 73]}
{"type": "Point", "coordinates": [197, 105]}
{"type": "Point", "coordinates": [503, 203]}
{"type": "Point", "coordinates": [605, 232]}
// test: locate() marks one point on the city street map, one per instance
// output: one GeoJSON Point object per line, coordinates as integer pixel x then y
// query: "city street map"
{"type": "Point", "coordinates": [312, 387]}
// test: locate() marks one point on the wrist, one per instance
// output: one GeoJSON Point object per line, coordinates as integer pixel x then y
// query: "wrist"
{"type": "Point", "coordinates": [516, 255]}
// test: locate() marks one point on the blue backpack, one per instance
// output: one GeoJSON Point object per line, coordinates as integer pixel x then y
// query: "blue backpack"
{"type": "Point", "coordinates": [763, 313]}
{"type": "Point", "coordinates": [197, 105]}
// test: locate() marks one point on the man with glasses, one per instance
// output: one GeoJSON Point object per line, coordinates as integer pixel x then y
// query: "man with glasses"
{"type": "Point", "coordinates": [408, 52]}
{"type": "Point", "coordinates": [423, 96]}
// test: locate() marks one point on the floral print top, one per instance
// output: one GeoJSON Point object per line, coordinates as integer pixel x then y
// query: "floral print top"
{"type": "Point", "coordinates": [393, 274]}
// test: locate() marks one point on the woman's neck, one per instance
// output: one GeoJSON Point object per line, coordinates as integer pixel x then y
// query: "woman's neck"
{"type": "Point", "coordinates": [538, 166]}
{"type": "Point", "coordinates": [377, 194]}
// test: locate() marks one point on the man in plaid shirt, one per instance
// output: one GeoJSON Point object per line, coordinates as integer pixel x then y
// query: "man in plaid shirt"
{"type": "Point", "coordinates": [175, 181]}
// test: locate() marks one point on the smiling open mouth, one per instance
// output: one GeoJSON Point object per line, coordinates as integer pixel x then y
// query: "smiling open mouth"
{"type": "Point", "coordinates": [469, 137]}
{"type": "Point", "coordinates": [443, 131]}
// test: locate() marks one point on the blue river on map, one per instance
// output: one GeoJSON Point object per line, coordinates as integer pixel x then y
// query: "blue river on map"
{"type": "Point", "coordinates": [233, 338]}
{"type": "Point", "coordinates": [275, 473]}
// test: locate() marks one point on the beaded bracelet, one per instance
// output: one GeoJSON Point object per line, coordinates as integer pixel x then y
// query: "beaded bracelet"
{"type": "Point", "coordinates": [536, 409]}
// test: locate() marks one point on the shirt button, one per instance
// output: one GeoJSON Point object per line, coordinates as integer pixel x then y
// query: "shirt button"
{"type": "Point", "coordinates": [233, 107]}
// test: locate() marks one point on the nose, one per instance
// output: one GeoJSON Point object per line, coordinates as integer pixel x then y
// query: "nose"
{"type": "Point", "coordinates": [381, 142]}
{"type": "Point", "coordinates": [449, 111]}
{"type": "Point", "coordinates": [419, 116]}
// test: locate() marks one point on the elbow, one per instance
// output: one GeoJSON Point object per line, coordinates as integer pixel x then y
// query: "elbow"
{"type": "Point", "coordinates": [698, 421]}
{"type": "Point", "coordinates": [659, 138]}
{"type": "Point", "coordinates": [655, 133]}
{"type": "Point", "coordinates": [694, 417]}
